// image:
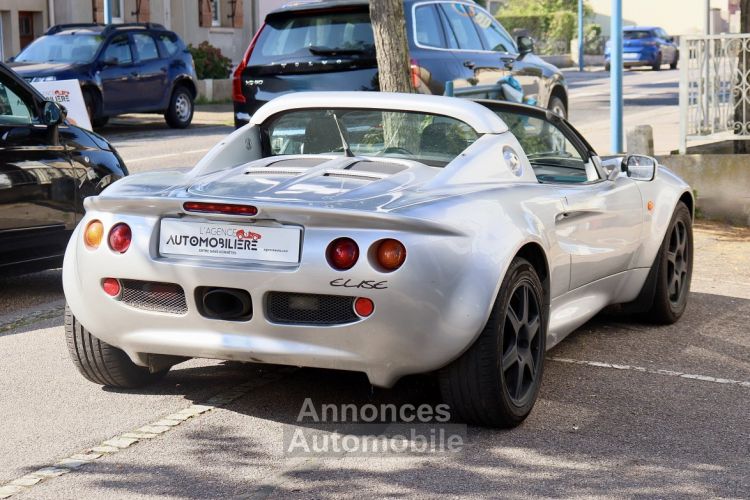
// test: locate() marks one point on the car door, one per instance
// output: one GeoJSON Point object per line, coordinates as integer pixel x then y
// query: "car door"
{"type": "Point", "coordinates": [523, 68]}
{"type": "Point", "coordinates": [119, 77]}
{"type": "Point", "coordinates": [481, 69]}
{"type": "Point", "coordinates": [599, 220]}
{"type": "Point", "coordinates": [152, 70]}
{"type": "Point", "coordinates": [37, 193]}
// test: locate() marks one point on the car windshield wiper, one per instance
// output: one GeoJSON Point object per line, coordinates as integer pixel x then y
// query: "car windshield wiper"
{"type": "Point", "coordinates": [331, 51]}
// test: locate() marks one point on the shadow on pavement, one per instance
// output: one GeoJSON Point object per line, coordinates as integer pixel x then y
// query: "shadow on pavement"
{"type": "Point", "coordinates": [594, 432]}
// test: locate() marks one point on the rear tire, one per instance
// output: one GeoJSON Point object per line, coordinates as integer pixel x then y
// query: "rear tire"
{"type": "Point", "coordinates": [102, 363]}
{"type": "Point", "coordinates": [608, 67]}
{"type": "Point", "coordinates": [496, 381]}
{"type": "Point", "coordinates": [673, 65]}
{"type": "Point", "coordinates": [657, 63]}
{"type": "Point", "coordinates": [181, 108]}
{"type": "Point", "coordinates": [557, 106]}
{"type": "Point", "coordinates": [675, 261]}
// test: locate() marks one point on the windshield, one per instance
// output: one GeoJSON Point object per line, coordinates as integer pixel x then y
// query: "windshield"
{"type": "Point", "coordinates": [312, 36]}
{"type": "Point", "coordinates": [637, 35]}
{"type": "Point", "coordinates": [74, 48]}
{"type": "Point", "coordinates": [431, 139]}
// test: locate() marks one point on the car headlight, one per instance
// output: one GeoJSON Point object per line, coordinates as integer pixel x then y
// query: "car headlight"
{"type": "Point", "coordinates": [43, 79]}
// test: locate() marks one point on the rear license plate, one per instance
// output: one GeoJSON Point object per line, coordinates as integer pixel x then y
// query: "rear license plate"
{"type": "Point", "coordinates": [244, 242]}
{"type": "Point", "coordinates": [631, 55]}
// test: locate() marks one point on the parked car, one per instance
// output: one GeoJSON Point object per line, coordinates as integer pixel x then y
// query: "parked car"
{"type": "Point", "coordinates": [645, 46]}
{"type": "Point", "coordinates": [47, 168]}
{"type": "Point", "coordinates": [389, 234]}
{"type": "Point", "coordinates": [329, 45]}
{"type": "Point", "coordinates": [128, 68]}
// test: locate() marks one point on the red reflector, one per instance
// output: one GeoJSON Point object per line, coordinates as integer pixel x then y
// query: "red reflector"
{"type": "Point", "coordinates": [363, 307]}
{"type": "Point", "coordinates": [120, 237]}
{"type": "Point", "coordinates": [342, 253]}
{"type": "Point", "coordinates": [416, 80]}
{"type": "Point", "coordinates": [219, 208]}
{"type": "Point", "coordinates": [111, 287]}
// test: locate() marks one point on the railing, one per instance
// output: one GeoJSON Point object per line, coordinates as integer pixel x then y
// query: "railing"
{"type": "Point", "coordinates": [714, 88]}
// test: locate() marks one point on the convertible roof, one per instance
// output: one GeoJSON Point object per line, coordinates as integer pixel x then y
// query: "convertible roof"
{"type": "Point", "coordinates": [478, 117]}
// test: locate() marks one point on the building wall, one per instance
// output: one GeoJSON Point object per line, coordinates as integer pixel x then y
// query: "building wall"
{"type": "Point", "coordinates": [677, 17]}
{"type": "Point", "coordinates": [11, 40]}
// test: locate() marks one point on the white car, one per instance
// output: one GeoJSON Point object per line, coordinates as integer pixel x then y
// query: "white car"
{"type": "Point", "coordinates": [383, 233]}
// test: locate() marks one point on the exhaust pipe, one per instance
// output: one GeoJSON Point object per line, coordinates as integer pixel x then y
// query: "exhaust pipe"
{"type": "Point", "coordinates": [229, 304]}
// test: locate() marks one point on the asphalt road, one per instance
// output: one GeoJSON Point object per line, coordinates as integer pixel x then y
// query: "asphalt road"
{"type": "Point", "coordinates": [650, 98]}
{"type": "Point", "coordinates": [626, 409]}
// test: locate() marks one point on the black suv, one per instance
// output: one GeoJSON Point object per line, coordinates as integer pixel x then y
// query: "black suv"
{"type": "Point", "coordinates": [125, 68]}
{"type": "Point", "coordinates": [456, 48]}
{"type": "Point", "coordinates": [47, 168]}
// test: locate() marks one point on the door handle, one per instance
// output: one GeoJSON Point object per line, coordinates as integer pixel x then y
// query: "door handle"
{"type": "Point", "coordinates": [507, 62]}
{"type": "Point", "coordinates": [470, 64]}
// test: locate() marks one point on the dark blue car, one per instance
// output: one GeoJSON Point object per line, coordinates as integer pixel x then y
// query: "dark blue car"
{"type": "Point", "coordinates": [130, 68]}
{"type": "Point", "coordinates": [456, 47]}
{"type": "Point", "coordinates": [645, 46]}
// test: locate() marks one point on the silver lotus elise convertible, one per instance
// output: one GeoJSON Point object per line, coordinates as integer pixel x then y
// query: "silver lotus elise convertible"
{"type": "Point", "coordinates": [383, 233]}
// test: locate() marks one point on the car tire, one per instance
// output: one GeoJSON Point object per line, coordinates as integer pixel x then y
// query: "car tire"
{"type": "Point", "coordinates": [93, 107]}
{"type": "Point", "coordinates": [477, 386]}
{"type": "Point", "coordinates": [673, 65]}
{"type": "Point", "coordinates": [102, 363]}
{"type": "Point", "coordinates": [675, 269]}
{"type": "Point", "coordinates": [556, 105]}
{"type": "Point", "coordinates": [607, 67]}
{"type": "Point", "coordinates": [657, 64]}
{"type": "Point", "coordinates": [181, 108]}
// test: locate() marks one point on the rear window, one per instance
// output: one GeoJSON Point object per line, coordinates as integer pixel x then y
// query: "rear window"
{"type": "Point", "coordinates": [312, 36]}
{"type": "Point", "coordinates": [637, 35]}
{"type": "Point", "coordinates": [431, 139]}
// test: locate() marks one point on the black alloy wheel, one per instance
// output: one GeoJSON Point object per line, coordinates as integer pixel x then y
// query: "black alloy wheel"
{"type": "Point", "coordinates": [521, 344]}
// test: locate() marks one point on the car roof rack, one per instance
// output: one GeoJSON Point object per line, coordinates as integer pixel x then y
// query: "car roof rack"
{"type": "Point", "coordinates": [66, 27]}
{"type": "Point", "coordinates": [114, 27]}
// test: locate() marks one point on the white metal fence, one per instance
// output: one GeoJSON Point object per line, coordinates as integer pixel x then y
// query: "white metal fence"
{"type": "Point", "coordinates": [714, 88]}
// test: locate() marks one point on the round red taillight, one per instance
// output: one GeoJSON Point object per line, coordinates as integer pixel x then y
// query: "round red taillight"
{"type": "Point", "coordinates": [363, 307]}
{"type": "Point", "coordinates": [111, 286]}
{"type": "Point", "coordinates": [119, 238]}
{"type": "Point", "coordinates": [342, 253]}
{"type": "Point", "coordinates": [390, 254]}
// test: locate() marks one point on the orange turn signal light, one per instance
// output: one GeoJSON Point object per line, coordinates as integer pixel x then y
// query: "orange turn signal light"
{"type": "Point", "coordinates": [93, 234]}
{"type": "Point", "coordinates": [390, 254]}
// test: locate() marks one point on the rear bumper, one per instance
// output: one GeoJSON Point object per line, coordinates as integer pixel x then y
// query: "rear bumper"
{"type": "Point", "coordinates": [416, 327]}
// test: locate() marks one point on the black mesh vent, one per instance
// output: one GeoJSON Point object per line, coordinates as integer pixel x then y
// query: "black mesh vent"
{"type": "Point", "coordinates": [151, 296]}
{"type": "Point", "coordinates": [309, 309]}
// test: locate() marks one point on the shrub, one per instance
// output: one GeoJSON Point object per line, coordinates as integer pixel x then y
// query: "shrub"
{"type": "Point", "coordinates": [210, 62]}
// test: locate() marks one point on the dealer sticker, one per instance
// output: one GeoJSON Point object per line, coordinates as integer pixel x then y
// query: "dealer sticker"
{"type": "Point", "coordinates": [230, 241]}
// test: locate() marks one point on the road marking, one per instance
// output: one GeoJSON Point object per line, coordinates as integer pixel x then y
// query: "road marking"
{"type": "Point", "coordinates": [157, 157]}
{"type": "Point", "coordinates": [668, 373]}
{"type": "Point", "coordinates": [128, 439]}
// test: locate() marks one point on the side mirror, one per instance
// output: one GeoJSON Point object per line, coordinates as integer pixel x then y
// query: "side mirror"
{"type": "Point", "coordinates": [670, 39]}
{"type": "Point", "coordinates": [52, 114]}
{"type": "Point", "coordinates": [11, 59]}
{"type": "Point", "coordinates": [525, 45]}
{"type": "Point", "coordinates": [612, 167]}
{"type": "Point", "coordinates": [640, 167]}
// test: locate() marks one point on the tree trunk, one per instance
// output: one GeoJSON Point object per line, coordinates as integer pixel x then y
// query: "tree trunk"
{"type": "Point", "coordinates": [389, 28]}
{"type": "Point", "coordinates": [742, 111]}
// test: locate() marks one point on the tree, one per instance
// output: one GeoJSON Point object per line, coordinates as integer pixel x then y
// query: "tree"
{"type": "Point", "coordinates": [392, 51]}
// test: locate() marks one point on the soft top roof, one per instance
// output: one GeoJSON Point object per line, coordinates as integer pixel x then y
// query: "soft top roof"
{"type": "Point", "coordinates": [478, 117]}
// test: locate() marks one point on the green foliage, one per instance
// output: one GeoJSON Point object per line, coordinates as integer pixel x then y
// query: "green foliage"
{"type": "Point", "coordinates": [210, 62]}
{"type": "Point", "coordinates": [592, 39]}
{"type": "Point", "coordinates": [553, 23]}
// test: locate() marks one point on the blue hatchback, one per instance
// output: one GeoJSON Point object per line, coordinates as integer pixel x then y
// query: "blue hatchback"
{"type": "Point", "coordinates": [128, 68]}
{"type": "Point", "coordinates": [645, 46]}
